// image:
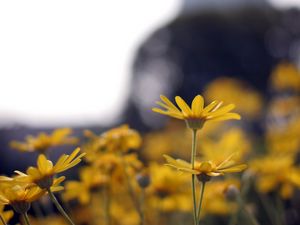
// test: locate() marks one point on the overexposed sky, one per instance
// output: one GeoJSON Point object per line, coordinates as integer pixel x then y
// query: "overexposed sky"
{"type": "Point", "coordinates": [67, 62]}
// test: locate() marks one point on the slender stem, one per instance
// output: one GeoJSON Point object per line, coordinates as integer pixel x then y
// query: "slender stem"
{"type": "Point", "coordinates": [193, 156]}
{"type": "Point", "coordinates": [26, 219]}
{"type": "Point", "coordinates": [106, 196]}
{"type": "Point", "coordinates": [201, 198]}
{"type": "Point", "coordinates": [280, 209]}
{"type": "Point", "coordinates": [2, 220]}
{"type": "Point", "coordinates": [59, 207]}
{"type": "Point", "coordinates": [142, 203]}
{"type": "Point", "coordinates": [131, 193]}
{"type": "Point", "coordinates": [234, 218]}
{"type": "Point", "coordinates": [268, 209]}
{"type": "Point", "coordinates": [251, 218]}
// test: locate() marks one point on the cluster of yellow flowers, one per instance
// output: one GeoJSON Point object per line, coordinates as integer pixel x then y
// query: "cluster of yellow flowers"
{"type": "Point", "coordinates": [185, 173]}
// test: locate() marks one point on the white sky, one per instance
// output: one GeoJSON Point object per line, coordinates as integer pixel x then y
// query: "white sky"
{"type": "Point", "coordinates": [66, 62]}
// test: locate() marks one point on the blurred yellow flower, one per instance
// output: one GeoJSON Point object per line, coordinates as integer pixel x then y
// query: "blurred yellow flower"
{"type": "Point", "coordinates": [167, 193]}
{"type": "Point", "coordinates": [43, 141]}
{"type": "Point", "coordinates": [248, 101]}
{"type": "Point", "coordinates": [286, 76]}
{"type": "Point", "coordinates": [119, 139]}
{"type": "Point", "coordinates": [19, 196]}
{"type": "Point", "coordinates": [90, 178]}
{"type": "Point", "coordinates": [48, 220]}
{"type": "Point", "coordinates": [197, 114]}
{"type": "Point", "coordinates": [43, 174]}
{"type": "Point", "coordinates": [232, 141]}
{"type": "Point", "coordinates": [206, 169]}
{"type": "Point", "coordinates": [276, 172]}
{"type": "Point", "coordinates": [215, 200]}
{"type": "Point", "coordinates": [172, 139]}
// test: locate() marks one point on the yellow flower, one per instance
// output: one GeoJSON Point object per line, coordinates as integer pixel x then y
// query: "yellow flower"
{"type": "Point", "coordinates": [215, 200]}
{"type": "Point", "coordinates": [19, 196]}
{"type": "Point", "coordinates": [43, 174]}
{"type": "Point", "coordinates": [48, 220]}
{"type": "Point", "coordinates": [231, 141]}
{"type": "Point", "coordinates": [43, 141]}
{"type": "Point", "coordinates": [247, 100]}
{"type": "Point", "coordinates": [206, 169]}
{"type": "Point", "coordinates": [286, 76]}
{"type": "Point", "coordinates": [167, 193]}
{"type": "Point", "coordinates": [276, 172]}
{"type": "Point", "coordinates": [119, 139]}
{"type": "Point", "coordinates": [90, 178]}
{"type": "Point", "coordinates": [197, 114]}
{"type": "Point", "coordinates": [172, 139]}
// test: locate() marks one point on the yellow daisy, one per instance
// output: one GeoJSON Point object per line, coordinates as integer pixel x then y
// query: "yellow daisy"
{"type": "Point", "coordinates": [197, 114]}
{"type": "Point", "coordinates": [206, 169]}
{"type": "Point", "coordinates": [19, 196]}
{"type": "Point", "coordinates": [42, 142]}
{"type": "Point", "coordinates": [43, 174]}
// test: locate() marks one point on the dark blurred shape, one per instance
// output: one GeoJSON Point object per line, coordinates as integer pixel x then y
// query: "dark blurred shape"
{"type": "Point", "coordinates": [244, 39]}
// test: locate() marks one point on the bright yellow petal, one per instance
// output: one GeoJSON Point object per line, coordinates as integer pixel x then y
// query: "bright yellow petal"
{"type": "Point", "coordinates": [168, 102]}
{"type": "Point", "coordinates": [183, 106]}
{"type": "Point", "coordinates": [227, 116]}
{"type": "Point", "coordinates": [177, 162]}
{"type": "Point", "coordinates": [222, 111]}
{"type": "Point", "coordinates": [61, 161]}
{"type": "Point", "coordinates": [209, 107]}
{"type": "Point", "coordinates": [168, 113]}
{"type": "Point", "coordinates": [197, 105]}
{"type": "Point", "coordinates": [234, 169]}
{"type": "Point", "coordinates": [44, 165]}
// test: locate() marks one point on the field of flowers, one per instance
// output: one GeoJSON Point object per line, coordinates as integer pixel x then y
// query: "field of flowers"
{"type": "Point", "coordinates": [231, 156]}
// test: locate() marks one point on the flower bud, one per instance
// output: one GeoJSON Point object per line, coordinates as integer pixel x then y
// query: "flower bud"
{"type": "Point", "coordinates": [231, 192]}
{"type": "Point", "coordinates": [143, 179]}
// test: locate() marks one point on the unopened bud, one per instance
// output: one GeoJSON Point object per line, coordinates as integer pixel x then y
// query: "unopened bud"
{"type": "Point", "coordinates": [231, 192]}
{"type": "Point", "coordinates": [143, 180]}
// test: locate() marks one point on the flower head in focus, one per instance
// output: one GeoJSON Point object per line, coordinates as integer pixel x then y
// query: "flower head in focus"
{"type": "Point", "coordinates": [206, 169]}
{"type": "Point", "coordinates": [43, 174]}
{"type": "Point", "coordinates": [197, 114]}
{"type": "Point", "coordinates": [43, 141]}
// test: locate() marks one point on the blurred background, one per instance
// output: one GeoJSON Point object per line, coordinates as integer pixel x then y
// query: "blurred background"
{"type": "Point", "coordinates": [98, 64]}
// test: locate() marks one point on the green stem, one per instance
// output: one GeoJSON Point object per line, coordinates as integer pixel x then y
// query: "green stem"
{"type": "Point", "coordinates": [59, 207]}
{"type": "Point", "coordinates": [131, 193]}
{"type": "Point", "coordinates": [251, 218]}
{"type": "Point", "coordinates": [106, 196]}
{"type": "Point", "coordinates": [268, 209]}
{"type": "Point", "coordinates": [2, 220]}
{"type": "Point", "coordinates": [142, 203]}
{"type": "Point", "coordinates": [280, 210]}
{"type": "Point", "coordinates": [201, 198]}
{"type": "Point", "coordinates": [26, 219]}
{"type": "Point", "coordinates": [193, 156]}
